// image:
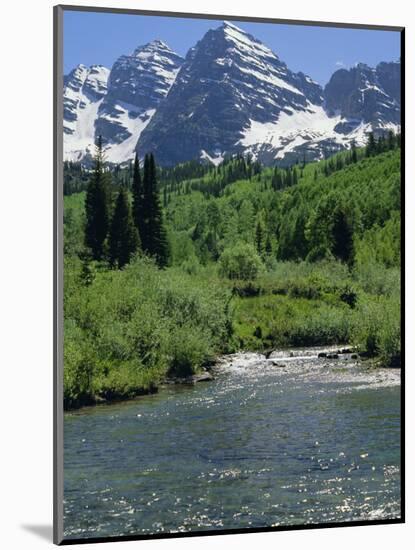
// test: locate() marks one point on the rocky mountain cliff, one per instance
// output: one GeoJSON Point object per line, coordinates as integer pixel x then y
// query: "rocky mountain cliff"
{"type": "Point", "coordinates": [129, 95]}
{"type": "Point", "coordinates": [136, 86]}
{"type": "Point", "coordinates": [229, 87]}
{"type": "Point", "coordinates": [365, 95]}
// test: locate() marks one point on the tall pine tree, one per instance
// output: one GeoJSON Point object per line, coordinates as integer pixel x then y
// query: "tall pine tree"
{"type": "Point", "coordinates": [268, 246]}
{"type": "Point", "coordinates": [342, 234]}
{"type": "Point", "coordinates": [259, 236]}
{"type": "Point", "coordinates": [138, 206]}
{"type": "Point", "coordinates": [123, 238]}
{"type": "Point", "coordinates": [158, 236]}
{"type": "Point", "coordinates": [391, 140]}
{"type": "Point", "coordinates": [354, 152]}
{"type": "Point", "coordinates": [371, 145]}
{"type": "Point", "coordinates": [153, 232]}
{"type": "Point", "coordinates": [145, 208]}
{"type": "Point", "coordinates": [97, 204]}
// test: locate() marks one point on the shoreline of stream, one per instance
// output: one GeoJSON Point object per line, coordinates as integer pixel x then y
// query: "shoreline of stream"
{"type": "Point", "coordinates": [334, 361]}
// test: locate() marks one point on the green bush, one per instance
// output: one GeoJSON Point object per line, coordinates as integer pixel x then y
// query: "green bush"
{"type": "Point", "coordinates": [79, 362]}
{"type": "Point", "coordinates": [125, 380]}
{"type": "Point", "coordinates": [279, 321]}
{"type": "Point", "coordinates": [349, 296]}
{"type": "Point", "coordinates": [377, 327]}
{"type": "Point", "coordinates": [310, 287]}
{"type": "Point", "coordinates": [240, 262]}
{"type": "Point", "coordinates": [188, 349]}
{"type": "Point", "coordinates": [128, 329]}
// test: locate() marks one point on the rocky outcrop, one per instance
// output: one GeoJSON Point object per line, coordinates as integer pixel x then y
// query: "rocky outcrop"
{"type": "Point", "coordinates": [365, 95]}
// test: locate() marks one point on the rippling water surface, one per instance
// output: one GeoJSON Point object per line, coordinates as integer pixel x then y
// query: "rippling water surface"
{"type": "Point", "coordinates": [267, 443]}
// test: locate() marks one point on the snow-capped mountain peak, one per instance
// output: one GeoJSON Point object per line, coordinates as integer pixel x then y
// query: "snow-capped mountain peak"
{"type": "Point", "coordinates": [244, 41]}
{"type": "Point", "coordinates": [228, 80]}
{"type": "Point", "coordinates": [155, 46]}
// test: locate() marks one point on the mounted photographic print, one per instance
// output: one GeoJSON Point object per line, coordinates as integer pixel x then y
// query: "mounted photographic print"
{"type": "Point", "coordinates": [228, 275]}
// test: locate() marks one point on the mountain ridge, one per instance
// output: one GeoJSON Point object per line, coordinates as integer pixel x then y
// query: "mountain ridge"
{"type": "Point", "coordinates": [230, 95]}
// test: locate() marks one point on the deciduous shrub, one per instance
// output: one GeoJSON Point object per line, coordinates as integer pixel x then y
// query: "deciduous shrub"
{"type": "Point", "coordinates": [240, 262]}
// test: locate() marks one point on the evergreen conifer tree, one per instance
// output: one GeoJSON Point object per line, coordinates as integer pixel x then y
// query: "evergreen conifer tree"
{"type": "Point", "coordinates": [381, 145]}
{"type": "Point", "coordinates": [294, 177]}
{"type": "Point", "coordinates": [354, 152]}
{"type": "Point", "coordinates": [211, 245]}
{"type": "Point", "coordinates": [371, 145]}
{"type": "Point", "coordinates": [123, 238]}
{"type": "Point", "coordinates": [159, 246]}
{"type": "Point", "coordinates": [153, 232]}
{"type": "Point", "coordinates": [398, 140]}
{"type": "Point", "coordinates": [339, 162]}
{"type": "Point", "coordinates": [268, 246]}
{"type": "Point", "coordinates": [391, 140]}
{"type": "Point", "coordinates": [97, 204]}
{"type": "Point", "coordinates": [88, 272]}
{"type": "Point", "coordinates": [342, 233]}
{"type": "Point", "coordinates": [259, 236]}
{"type": "Point", "coordinates": [138, 205]}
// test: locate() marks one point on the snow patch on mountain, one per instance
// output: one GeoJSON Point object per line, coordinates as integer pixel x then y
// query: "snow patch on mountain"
{"type": "Point", "coordinates": [81, 141]}
{"type": "Point", "coordinates": [215, 159]}
{"type": "Point", "coordinates": [308, 128]}
{"type": "Point", "coordinates": [290, 130]}
{"type": "Point", "coordinates": [134, 125]}
{"type": "Point", "coordinates": [360, 133]}
{"type": "Point", "coordinates": [84, 92]}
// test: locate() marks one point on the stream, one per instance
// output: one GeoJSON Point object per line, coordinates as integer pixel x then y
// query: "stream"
{"type": "Point", "coordinates": [290, 440]}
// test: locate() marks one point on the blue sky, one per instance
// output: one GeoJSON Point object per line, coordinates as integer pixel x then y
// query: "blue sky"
{"type": "Point", "coordinates": [100, 38]}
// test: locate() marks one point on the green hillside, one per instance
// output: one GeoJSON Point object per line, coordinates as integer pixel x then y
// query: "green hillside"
{"type": "Point", "coordinates": [258, 258]}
